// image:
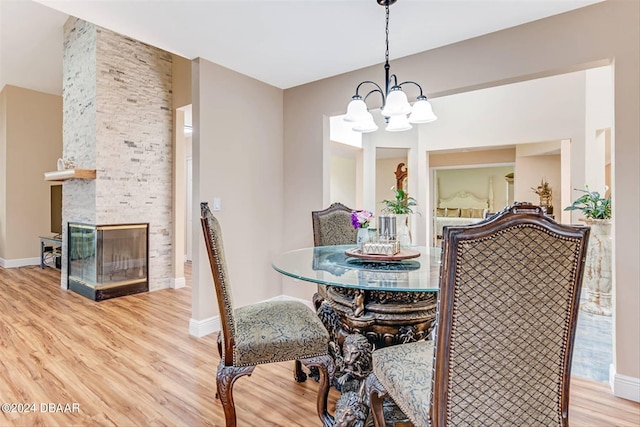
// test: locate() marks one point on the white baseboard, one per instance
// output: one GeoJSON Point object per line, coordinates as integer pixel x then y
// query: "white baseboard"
{"type": "Point", "coordinates": [21, 262]}
{"type": "Point", "coordinates": [178, 282]}
{"type": "Point", "coordinates": [624, 386]}
{"type": "Point", "coordinates": [200, 328]}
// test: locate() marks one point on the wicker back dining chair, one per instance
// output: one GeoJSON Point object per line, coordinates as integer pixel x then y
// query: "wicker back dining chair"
{"type": "Point", "coordinates": [508, 304]}
{"type": "Point", "coordinates": [267, 332]}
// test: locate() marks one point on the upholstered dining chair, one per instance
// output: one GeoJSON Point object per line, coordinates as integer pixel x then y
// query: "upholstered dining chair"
{"type": "Point", "coordinates": [267, 332]}
{"type": "Point", "coordinates": [505, 328]}
{"type": "Point", "coordinates": [332, 226]}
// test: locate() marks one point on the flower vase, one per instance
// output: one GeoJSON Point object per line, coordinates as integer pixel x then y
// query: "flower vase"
{"type": "Point", "coordinates": [386, 227]}
{"type": "Point", "coordinates": [597, 270]}
{"type": "Point", "coordinates": [403, 235]}
{"type": "Point", "coordinates": [362, 236]}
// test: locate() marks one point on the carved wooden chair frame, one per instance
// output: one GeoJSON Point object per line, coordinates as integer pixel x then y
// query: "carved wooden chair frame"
{"type": "Point", "coordinates": [227, 372]}
{"type": "Point", "coordinates": [517, 215]}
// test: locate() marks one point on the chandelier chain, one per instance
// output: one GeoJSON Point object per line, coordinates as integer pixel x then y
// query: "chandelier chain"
{"type": "Point", "coordinates": [386, 53]}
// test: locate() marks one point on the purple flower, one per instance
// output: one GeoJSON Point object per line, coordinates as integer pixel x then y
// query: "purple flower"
{"type": "Point", "coordinates": [360, 219]}
{"type": "Point", "coordinates": [354, 220]}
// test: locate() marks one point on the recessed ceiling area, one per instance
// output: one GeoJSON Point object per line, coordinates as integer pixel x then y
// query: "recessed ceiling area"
{"type": "Point", "coordinates": [282, 43]}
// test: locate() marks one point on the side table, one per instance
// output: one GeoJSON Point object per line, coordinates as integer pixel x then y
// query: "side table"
{"type": "Point", "coordinates": [50, 252]}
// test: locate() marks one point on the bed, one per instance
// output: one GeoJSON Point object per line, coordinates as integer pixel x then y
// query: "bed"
{"type": "Point", "coordinates": [462, 209]}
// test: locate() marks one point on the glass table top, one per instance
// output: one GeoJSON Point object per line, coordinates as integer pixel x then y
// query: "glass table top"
{"type": "Point", "coordinates": [329, 265]}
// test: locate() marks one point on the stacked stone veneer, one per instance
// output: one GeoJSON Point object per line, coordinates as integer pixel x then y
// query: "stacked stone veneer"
{"type": "Point", "coordinates": [118, 120]}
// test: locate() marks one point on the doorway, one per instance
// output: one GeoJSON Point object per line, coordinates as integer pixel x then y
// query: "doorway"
{"type": "Point", "coordinates": [189, 221]}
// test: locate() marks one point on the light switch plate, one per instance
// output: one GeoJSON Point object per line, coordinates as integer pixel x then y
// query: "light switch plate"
{"type": "Point", "coordinates": [216, 204]}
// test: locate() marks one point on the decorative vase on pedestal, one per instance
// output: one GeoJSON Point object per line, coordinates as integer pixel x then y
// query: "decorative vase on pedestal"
{"type": "Point", "coordinates": [597, 271]}
{"type": "Point", "coordinates": [403, 235]}
{"type": "Point", "coordinates": [362, 236]}
{"type": "Point", "coordinates": [545, 203]}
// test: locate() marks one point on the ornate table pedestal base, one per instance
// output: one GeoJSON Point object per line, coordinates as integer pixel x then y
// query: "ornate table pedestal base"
{"type": "Point", "coordinates": [385, 318]}
{"type": "Point", "coordinates": [359, 321]}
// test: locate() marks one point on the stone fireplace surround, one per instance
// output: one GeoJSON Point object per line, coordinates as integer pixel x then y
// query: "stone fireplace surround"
{"type": "Point", "coordinates": [117, 120]}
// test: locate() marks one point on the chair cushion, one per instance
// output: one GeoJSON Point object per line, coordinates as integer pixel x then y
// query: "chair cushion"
{"type": "Point", "coordinates": [275, 331]}
{"type": "Point", "coordinates": [405, 371]}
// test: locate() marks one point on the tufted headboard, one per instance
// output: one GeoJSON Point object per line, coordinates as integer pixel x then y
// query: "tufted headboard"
{"type": "Point", "coordinates": [463, 199]}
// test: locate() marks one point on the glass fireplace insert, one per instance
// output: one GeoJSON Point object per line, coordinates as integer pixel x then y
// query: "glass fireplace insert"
{"type": "Point", "coordinates": [108, 261]}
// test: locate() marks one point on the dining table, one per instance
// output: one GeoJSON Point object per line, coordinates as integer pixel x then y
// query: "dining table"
{"type": "Point", "coordinates": [335, 266]}
{"type": "Point", "coordinates": [366, 302]}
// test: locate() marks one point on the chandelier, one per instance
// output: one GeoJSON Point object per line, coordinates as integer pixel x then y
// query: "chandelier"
{"type": "Point", "coordinates": [397, 111]}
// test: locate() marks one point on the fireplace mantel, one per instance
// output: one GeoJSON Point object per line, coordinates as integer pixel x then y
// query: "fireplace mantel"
{"type": "Point", "coordinates": [66, 174]}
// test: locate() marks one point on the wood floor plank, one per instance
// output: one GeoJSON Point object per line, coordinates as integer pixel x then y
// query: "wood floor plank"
{"type": "Point", "coordinates": [130, 361]}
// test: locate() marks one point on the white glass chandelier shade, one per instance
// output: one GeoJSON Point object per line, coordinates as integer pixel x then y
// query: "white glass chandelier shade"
{"type": "Point", "coordinates": [397, 104]}
{"type": "Point", "coordinates": [360, 118]}
{"type": "Point", "coordinates": [356, 110]}
{"type": "Point", "coordinates": [365, 126]}
{"type": "Point", "coordinates": [422, 112]}
{"type": "Point", "coordinates": [398, 124]}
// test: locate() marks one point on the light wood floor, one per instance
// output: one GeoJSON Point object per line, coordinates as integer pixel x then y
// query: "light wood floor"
{"type": "Point", "coordinates": [130, 361]}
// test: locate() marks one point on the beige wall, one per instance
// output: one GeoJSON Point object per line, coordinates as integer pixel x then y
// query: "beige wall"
{"type": "Point", "coordinates": [608, 31]}
{"type": "Point", "coordinates": [469, 158]}
{"type": "Point", "coordinates": [181, 72]}
{"type": "Point", "coordinates": [343, 181]}
{"type": "Point", "coordinates": [33, 143]}
{"type": "Point", "coordinates": [3, 171]}
{"type": "Point", "coordinates": [237, 156]}
{"type": "Point", "coordinates": [528, 173]}
{"type": "Point", "coordinates": [385, 179]}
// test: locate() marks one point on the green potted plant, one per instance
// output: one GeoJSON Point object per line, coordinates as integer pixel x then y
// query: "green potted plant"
{"type": "Point", "coordinates": [402, 204]}
{"type": "Point", "coordinates": [592, 205]}
{"type": "Point", "coordinates": [597, 272]}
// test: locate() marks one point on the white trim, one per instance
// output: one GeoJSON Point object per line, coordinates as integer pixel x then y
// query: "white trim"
{"type": "Point", "coordinates": [200, 328]}
{"type": "Point", "coordinates": [178, 282]}
{"type": "Point", "coordinates": [474, 166]}
{"type": "Point", "coordinates": [624, 386]}
{"type": "Point", "coordinates": [20, 262]}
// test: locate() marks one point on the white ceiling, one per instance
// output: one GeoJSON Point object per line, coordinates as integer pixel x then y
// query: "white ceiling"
{"type": "Point", "coordinates": [281, 42]}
